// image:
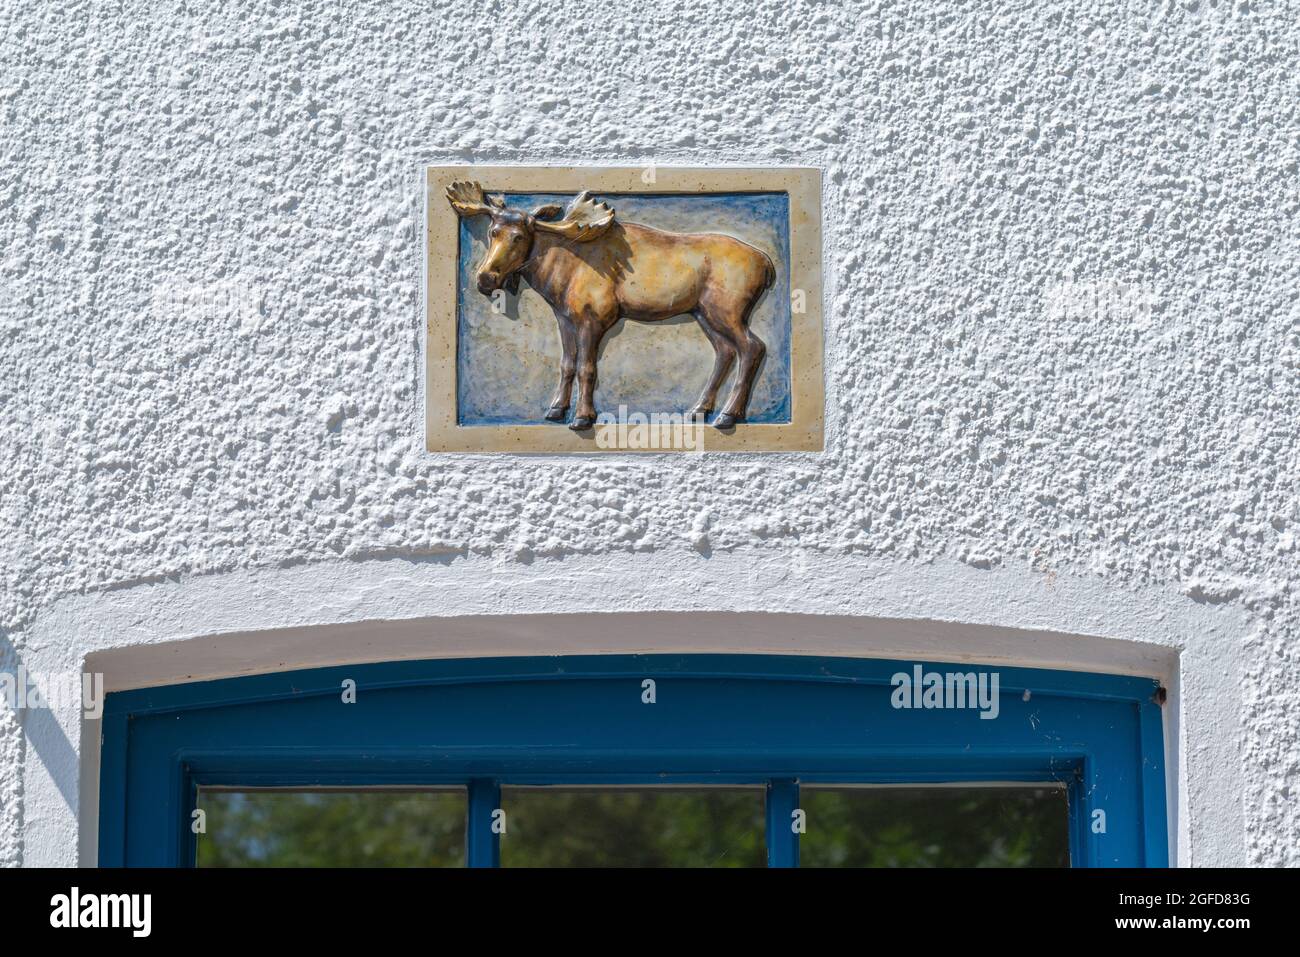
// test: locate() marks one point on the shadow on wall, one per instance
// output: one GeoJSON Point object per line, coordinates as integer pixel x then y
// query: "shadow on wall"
{"type": "Point", "coordinates": [41, 730]}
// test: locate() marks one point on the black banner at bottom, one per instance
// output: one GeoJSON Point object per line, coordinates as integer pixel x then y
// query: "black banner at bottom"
{"type": "Point", "coordinates": [335, 907]}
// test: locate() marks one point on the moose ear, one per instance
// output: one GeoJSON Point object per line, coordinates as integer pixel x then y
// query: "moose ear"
{"type": "Point", "coordinates": [549, 211]}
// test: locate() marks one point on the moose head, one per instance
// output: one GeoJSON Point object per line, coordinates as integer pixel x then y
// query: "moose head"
{"type": "Point", "coordinates": [513, 231]}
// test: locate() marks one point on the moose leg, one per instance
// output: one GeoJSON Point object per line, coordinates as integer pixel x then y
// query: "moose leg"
{"type": "Point", "coordinates": [752, 351]}
{"type": "Point", "coordinates": [589, 335]}
{"type": "Point", "coordinates": [728, 318]}
{"type": "Point", "coordinates": [724, 354]}
{"type": "Point", "coordinates": [568, 367]}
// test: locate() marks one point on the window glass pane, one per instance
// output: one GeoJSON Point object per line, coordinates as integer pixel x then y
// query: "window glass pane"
{"type": "Point", "coordinates": [618, 827]}
{"type": "Point", "coordinates": [376, 828]}
{"type": "Point", "coordinates": [935, 827]}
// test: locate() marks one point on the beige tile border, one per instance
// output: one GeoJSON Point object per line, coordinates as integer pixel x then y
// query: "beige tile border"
{"type": "Point", "coordinates": [802, 433]}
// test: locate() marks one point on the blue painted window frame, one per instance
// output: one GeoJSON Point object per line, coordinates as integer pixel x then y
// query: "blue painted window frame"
{"type": "Point", "coordinates": [766, 720]}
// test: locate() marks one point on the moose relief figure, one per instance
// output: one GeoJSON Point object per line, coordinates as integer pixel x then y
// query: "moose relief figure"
{"type": "Point", "coordinates": [593, 270]}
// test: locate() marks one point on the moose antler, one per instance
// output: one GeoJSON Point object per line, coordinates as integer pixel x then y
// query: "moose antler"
{"type": "Point", "coordinates": [467, 199]}
{"type": "Point", "coordinates": [584, 220]}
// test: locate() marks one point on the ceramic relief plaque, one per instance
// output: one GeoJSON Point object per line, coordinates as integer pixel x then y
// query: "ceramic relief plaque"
{"type": "Point", "coordinates": [579, 309]}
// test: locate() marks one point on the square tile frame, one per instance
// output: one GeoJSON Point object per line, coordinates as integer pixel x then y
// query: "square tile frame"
{"type": "Point", "coordinates": [803, 185]}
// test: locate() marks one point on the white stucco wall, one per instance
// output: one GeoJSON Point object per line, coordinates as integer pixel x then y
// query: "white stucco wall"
{"type": "Point", "coordinates": [1063, 350]}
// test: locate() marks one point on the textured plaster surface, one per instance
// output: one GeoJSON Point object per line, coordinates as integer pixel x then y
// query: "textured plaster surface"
{"type": "Point", "coordinates": [1063, 339]}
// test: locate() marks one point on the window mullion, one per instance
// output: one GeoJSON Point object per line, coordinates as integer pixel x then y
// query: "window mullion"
{"type": "Point", "coordinates": [782, 838]}
{"type": "Point", "coordinates": [482, 842]}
